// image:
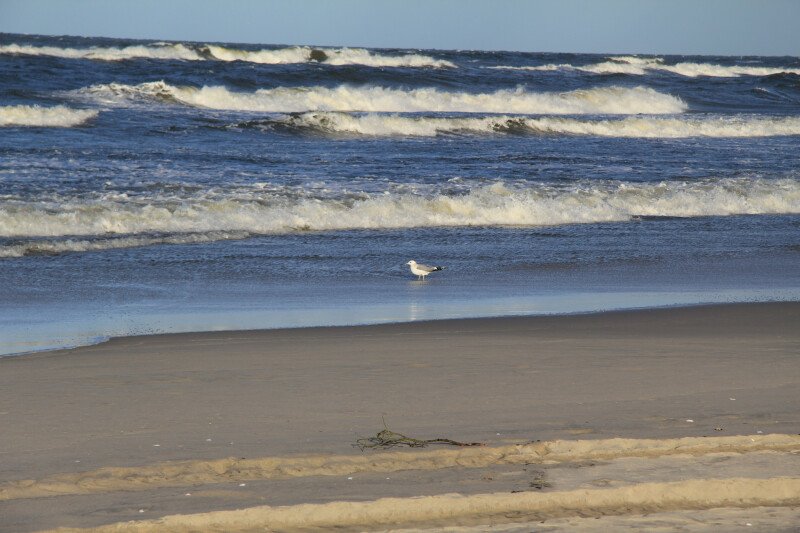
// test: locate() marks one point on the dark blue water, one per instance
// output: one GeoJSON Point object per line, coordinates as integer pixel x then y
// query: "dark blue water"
{"type": "Point", "coordinates": [149, 187]}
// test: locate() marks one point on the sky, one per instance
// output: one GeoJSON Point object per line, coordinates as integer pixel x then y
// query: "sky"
{"type": "Point", "coordinates": [716, 27]}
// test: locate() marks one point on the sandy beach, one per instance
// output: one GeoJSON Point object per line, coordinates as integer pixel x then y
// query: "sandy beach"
{"type": "Point", "coordinates": [430, 267]}
{"type": "Point", "coordinates": [680, 417]}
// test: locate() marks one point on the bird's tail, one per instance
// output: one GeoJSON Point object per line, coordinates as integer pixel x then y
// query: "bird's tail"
{"type": "Point", "coordinates": [437, 268]}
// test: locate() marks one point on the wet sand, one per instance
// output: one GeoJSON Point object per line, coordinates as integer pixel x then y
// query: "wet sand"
{"type": "Point", "coordinates": [261, 419]}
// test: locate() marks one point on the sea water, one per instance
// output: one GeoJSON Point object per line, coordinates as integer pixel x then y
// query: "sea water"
{"type": "Point", "coordinates": [151, 187]}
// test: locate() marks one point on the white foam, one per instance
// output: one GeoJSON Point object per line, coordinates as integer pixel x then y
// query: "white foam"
{"type": "Point", "coordinates": [604, 100]}
{"type": "Point", "coordinates": [162, 51]}
{"type": "Point", "coordinates": [293, 54]}
{"type": "Point", "coordinates": [722, 71]}
{"type": "Point", "coordinates": [216, 214]}
{"type": "Point", "coordinates": [57, 116]}
{"type": "Point", "coordinates": [333, 56]}
{"type": "Point", "coordinates": [622, 63]}
{"type": "Point", "coordinates": [639, 66]}
{"type": "Point", "coordinates": [54, 247]}
{"type": "Point", "coordinates": [607, 67]}
{"type": "Point", "coordinates": [647, 127]}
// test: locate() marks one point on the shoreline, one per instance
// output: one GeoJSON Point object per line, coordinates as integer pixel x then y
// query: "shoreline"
{"type": "Point", "coordinates": [107, 338]}
{"type": "Point", "coordinates": [219, 412]}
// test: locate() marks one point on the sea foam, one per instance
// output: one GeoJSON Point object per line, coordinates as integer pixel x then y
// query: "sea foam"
{"type": "Point", "coordinates": [288, 55]}
{"type": "Point", "coordinates": [374, 124]}
{"type": "Point", "coordinates": [218, 214]}
{"type": "Point", "coordinates": [59, 246]}
{"type": "Point", "coordinates": [603, 100]}
{"type": "Point", "coordinates": [640, 66]}
{"type": "Point", "coordinates": [164, 51]}
{"type": "Point", "coordinates": [329, 56]}
{"type": "Point", "coordinates": [57, 116]}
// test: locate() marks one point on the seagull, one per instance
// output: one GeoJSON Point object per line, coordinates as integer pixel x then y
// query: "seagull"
{"type": "Point", "coordinates": [421, 270]}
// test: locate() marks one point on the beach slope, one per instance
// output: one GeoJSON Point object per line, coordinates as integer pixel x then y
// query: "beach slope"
{"type": "Point", "coordinates": [688, 414]}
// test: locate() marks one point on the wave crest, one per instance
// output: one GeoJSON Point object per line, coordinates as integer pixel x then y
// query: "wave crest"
{"type": "Point", "coordinates": [603, 100]}
{"type": "Point", "coordinates": [329, 56]}
{"type": "Point", "coordinates": [54, 117]}
{"type": "Point", "coordinates": [634, 127]}
{"type": "Point", "coordinates": [55, 247]}
{"type": "Point", "coordinates": [214, 215]}
{"type": "Point", "coordinates": [640, 66]}
{"type": "Point", "coordinates": [161, 51]}
{"type": "Point", "coordinates": [278, 56]}
{"type": "Point", "coordinates": [690, 69]}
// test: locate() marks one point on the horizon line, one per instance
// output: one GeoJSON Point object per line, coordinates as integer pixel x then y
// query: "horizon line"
{"type": "Point", "coordinates": [498, 50]}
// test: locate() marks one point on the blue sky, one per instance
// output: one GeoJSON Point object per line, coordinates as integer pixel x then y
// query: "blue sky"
{"type": "Point", "coordinates": [725, 27]}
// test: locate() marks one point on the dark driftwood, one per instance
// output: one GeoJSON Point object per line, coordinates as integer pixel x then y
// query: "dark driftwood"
{"type": "Point", "coordinates": [390, 439]}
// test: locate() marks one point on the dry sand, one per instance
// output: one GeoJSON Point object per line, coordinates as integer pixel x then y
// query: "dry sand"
{"type": "Point", "coordinates": [688, 415]}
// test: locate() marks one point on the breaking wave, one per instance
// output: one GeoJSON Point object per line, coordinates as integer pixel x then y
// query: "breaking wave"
{"type": "Point", "coordinates": [604, 100]}
{"type": "Point", "coordinates": [642, 127]}
{"type": "Point", "coordinates": [57, 117]}
{"type": "Point", "coordinates": [55, 247]}
{"type": "Point", "coordinates": [330, 56]}
{"type": "Point", "coordinates": [639, 66]}
{"type": "Point", "coordinates": [162, 51]}
{"type": "Point", "coordinates": [293, 54]}
{"type": "Point", "coordinates": [113, 221]}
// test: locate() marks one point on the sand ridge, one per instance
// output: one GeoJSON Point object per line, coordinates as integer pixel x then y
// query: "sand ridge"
{"type": "Point", "coordinates": [186, 473]}
{"type": "Point", "coordinates": [465, 510]}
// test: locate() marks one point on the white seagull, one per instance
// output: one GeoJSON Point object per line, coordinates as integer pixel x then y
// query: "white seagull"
{"type": "Point", "coordinates": [421, 270]}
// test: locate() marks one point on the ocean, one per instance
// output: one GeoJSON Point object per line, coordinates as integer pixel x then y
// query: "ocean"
{"type": "Point", "coordinates": [150, 187]}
